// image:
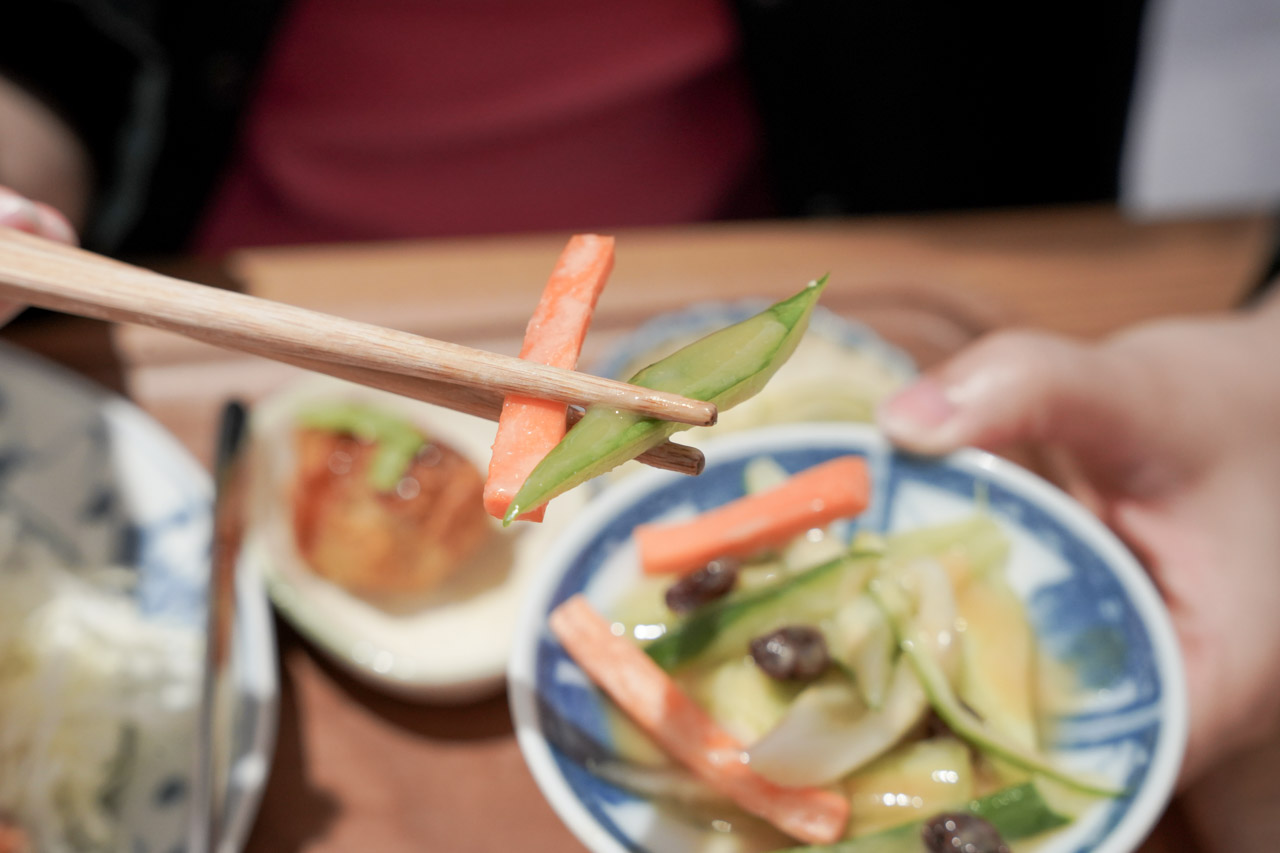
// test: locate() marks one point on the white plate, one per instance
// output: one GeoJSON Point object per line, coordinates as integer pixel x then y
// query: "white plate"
{"type": "Point", "coordinates": [96, 481]}
{"type": "Point", "coordinates": [448, 646]}
{"type": "Point", "coordinates": [1088, 598]}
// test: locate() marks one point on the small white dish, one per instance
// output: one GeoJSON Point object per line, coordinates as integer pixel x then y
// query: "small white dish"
{"type": "Point", "coordinates": [90, 481]}
{"type": "Point", "coordinates": [1088, 598]}
{"type": "Point", "coordinates": [446, 646]}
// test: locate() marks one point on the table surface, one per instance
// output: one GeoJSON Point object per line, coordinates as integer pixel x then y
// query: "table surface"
{"type": "Point", "coordinates": [355, 769]}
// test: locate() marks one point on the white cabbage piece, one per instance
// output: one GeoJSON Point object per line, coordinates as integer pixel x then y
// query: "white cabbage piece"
{"type": "Point", "coordinates": [88, 688]}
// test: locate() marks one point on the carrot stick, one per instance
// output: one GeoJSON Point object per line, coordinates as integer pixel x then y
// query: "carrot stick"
{"type": "Point", "coordinates": [677, 724]}
{"type": "Point", "coordinates": [527, 427]}
{"type": "Point", "coordinates": [835, 489]}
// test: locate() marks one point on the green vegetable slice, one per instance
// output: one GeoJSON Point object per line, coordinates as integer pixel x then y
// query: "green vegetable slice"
{"type": "Point", "coordinates": [976, 544]}
{"type": "Point", "coordinates": [815, 595]}
{"type": "Point", "coordinates": [915, 648]}
{"type": "Point", "coordinates": [725, 368]}
{"type": "Point", "coordinates": [398, 441]}
{"type": "Point", "coordinates": [729, 624]}
{"type": "Point", "coordinates": [828, 732]}
{"type": "Point", "coordinates": [1016, 812]}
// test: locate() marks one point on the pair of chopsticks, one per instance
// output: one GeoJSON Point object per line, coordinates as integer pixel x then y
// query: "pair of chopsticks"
{"type": "Point", "coordinates": [63, 278]}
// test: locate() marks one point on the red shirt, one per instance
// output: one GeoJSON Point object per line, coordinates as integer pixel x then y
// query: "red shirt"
{"type": "Point", "coordinates": [399, 118]}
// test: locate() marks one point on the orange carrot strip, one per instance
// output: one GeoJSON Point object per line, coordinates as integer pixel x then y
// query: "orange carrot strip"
{"type": "Point", "coordinates": [527, 427]}
{"type": "Point", "coordinates": [677, 724]}
{"type": "Point", "coordinates": [835, 489]}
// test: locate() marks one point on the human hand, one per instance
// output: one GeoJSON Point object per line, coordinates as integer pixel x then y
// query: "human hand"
{"type": "Point", "coordinates": [1171, 433]}
{"type": "Point", "coordinates": [17, 211]}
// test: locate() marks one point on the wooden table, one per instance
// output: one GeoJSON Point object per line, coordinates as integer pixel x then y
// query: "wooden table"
{"type": "Point", "coordinates": [355, 770]}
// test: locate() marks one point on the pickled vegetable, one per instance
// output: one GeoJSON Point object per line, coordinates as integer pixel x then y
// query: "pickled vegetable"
{"type": "Point", "coordinates": [916, 650]}
{"type": "Point", "coordinates": [1016, 812]}
{"type": "Point", "coordinates": [725, 368]}
{"type": "Point", "coordinates": [727, 626]}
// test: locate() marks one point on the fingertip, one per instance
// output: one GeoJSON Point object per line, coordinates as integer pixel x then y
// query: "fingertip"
{"type": "Point", "coordinates": [33, 217]}
{"type": "Point", "coordinates": [51, 223]}
{"type": "Point", "coordinates": [16, 211]}
{"type": "Point", "coordinates": [1005, 389]}
{"type": "Point", "coordinates": [918, 417]}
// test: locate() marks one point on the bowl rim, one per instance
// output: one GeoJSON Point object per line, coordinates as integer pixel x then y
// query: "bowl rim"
{"type": "Point", "coordinates": [1148, 801]}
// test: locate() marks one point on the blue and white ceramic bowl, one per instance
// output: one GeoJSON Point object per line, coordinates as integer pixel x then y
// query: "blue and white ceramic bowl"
{"type": "Point", "coordinates": [92, 481]}
{"type": "Point", "coordinates": [1090, 601]}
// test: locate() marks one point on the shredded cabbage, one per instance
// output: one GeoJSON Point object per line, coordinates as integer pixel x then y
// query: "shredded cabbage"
{"type": "Point", "coordinates": [85, 684]}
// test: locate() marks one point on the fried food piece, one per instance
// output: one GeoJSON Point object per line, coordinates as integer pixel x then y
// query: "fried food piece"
{"type": "Point", "coordinates": [373, 542]}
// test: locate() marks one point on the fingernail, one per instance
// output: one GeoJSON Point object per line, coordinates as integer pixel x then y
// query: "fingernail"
{"type": "Point", "coordinates": [16, 211]}
{"type": "Point", "coordinates": [916, 414]}
{"type": "Point", "coordinates": [54, 225]}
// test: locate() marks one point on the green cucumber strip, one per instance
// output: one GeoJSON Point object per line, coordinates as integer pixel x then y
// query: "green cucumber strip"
{"type": "Point", "coordinates": [978, 539]}
{"type": "Point", "coordinates": [806, 598]}
{"type": "Point", "coordinates": [729, 624]}
{"type": "Point", "coordinates": [1019, 811]}
{"type": "Point", "coordinates": [725, 368]}
{"type": "Point", "coordinates": [398, 441]}
{"type": "Point", "coordinates": [1016, 812]}
{"type": "Point", "coordinates": [961, 721]}
{"type": "Point", "coordinates": [862, 640]}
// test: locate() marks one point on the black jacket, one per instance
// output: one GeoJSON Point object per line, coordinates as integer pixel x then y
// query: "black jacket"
{"type": "Point", "coordinates": [868, 107]}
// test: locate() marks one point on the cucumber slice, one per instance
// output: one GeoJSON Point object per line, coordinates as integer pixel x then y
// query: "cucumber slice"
{"type": "Point", "coordinates": [998, 653]}
{"type": "Point", "coordinates": [727, 626]}
{"type": "Point", "coordinates": [972, 547]}
{"type": "Point", "coordinates": [917, 650]}
{"type": "Point", "coordinates": [862, 641]}
{"type": "Point", "coordinates": [828, 732]}
{"type": "Point", "coordinates": [397, 439]}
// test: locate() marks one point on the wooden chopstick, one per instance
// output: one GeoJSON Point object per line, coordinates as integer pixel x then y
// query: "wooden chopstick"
{"type": "Point", "coordinates": [483, 403]}
{"type": "Point", "coordinates": [63, 278]}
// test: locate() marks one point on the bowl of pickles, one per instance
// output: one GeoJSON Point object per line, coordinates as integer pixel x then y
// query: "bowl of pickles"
{"type": "Point", "coordinates": [823, 644]}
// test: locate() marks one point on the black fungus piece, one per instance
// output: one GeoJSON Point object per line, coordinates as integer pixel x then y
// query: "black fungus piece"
{"type": "Point", "coordinates": [961, 832]}
{"type": "Point", "coordinates": [793, 653]}
{"type": "Point", "coordinates": [703, 586]}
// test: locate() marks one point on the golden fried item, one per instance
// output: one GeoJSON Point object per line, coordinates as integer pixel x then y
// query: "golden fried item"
{"type": "Point", "coordinates": [375, 540]}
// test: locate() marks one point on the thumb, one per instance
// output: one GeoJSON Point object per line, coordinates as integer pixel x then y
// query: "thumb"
{"type": "Point", "coordinates": [1019, 387]}
{"type": "Point", "coordinates": [34, 217]}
